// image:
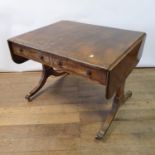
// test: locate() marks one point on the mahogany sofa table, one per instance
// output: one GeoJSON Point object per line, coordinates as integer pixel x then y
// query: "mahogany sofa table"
{"type": "Point", "coordinates": [104, 54]}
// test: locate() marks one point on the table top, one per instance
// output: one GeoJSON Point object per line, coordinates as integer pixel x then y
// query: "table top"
{"type": "Point", "coordinates": [95, 45]}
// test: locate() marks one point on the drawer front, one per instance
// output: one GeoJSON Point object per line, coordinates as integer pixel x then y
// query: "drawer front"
{"type": "Point", "coordinates": [61, 63]}
{"type": "Point", "coordinates": [31, 54]}
{"type": "Point", "coordinates": [79, 68]}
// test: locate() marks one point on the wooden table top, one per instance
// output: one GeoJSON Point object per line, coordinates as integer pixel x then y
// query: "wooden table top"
{"type": "Point", "coordinates": [94, 45]}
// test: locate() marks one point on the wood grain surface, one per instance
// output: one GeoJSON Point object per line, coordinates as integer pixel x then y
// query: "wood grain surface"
{"type": "Point", "coordinates": [98, 46]}
{"type": "Point", "coordinates": [64, 119]}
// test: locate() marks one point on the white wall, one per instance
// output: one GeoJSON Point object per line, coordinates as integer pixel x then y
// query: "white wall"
{"type": "Point", "coordinates": [19, 16]}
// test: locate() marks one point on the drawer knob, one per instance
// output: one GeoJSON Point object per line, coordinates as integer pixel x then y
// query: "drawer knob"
{"type": "Point", "coordinates": [21, 50]}
{"type": "Point", "coordinates": [88, 73]}
{"type": "Point", "coordinates": [42, 57]}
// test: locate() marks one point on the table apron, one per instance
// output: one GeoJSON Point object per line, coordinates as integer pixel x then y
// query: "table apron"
{"type": "Point", "coordinates": [58, 62]}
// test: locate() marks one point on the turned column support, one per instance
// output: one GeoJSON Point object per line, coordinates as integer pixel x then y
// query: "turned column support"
{"type": "Point", "coordinates": [119, 99]}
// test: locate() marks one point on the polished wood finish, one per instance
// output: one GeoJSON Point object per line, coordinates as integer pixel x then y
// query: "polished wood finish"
{"type": "Point", "coordinates": [65, 119]}
{"type": "Point", "coordinates": [78, 41]}
{"type": "Point", "coordinates": [119, 99]}
{"type": "Point", "coordinates": [106, 55]}
{"type": "Point", "coordinates": [120, 72]}
{"type": "Point", "coordinates": [47, 71]}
